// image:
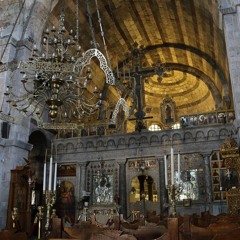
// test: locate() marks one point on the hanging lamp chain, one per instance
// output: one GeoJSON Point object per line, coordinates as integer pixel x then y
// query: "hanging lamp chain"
{"type": "Point", "coordinates": [102, 34]}
{"type": "Point", "coordinates": [93, 42]}
{"type": "Point", "coordinates": [77, 21]}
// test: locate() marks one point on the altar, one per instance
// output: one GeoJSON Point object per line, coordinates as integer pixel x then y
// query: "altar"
{"type": "Point", "coordinates": [103, 214]}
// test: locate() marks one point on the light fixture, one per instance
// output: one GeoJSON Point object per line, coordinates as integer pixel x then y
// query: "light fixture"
{"type": "Point", "coordinates": [57, 78]}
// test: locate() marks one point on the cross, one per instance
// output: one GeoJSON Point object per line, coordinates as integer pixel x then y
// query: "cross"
{"type": "Point", "coordinates": [138, 73]}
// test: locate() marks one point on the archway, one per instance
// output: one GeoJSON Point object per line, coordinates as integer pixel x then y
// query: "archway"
{"type": "Point", "coordinates": [143, 187]}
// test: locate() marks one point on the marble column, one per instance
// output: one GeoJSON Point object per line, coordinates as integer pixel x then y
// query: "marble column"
{"type": "Point", "coordinates": [208, 181]}
{"type": "Point", "coordinates": [122, 188]}
{"type": "Point", "coordinates": [78, 182]}
{"type": "Point", "coordinates": [163, 198]}
{"type": "Point", "coordinates": [231, 23]}
{"type": "Point", "coordinates": [82, 187]}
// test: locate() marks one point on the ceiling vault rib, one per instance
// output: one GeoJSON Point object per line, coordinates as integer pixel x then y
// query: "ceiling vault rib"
{"type": "Point", "coordinates": [194, 87]}
{"type": "Point", "coordinates": [140, 22]}
{"type": "Point", "coordinates": [208, 58]}
{"type": "Point", "coordinates": [197, 73]}
{"type": "Point", "coordinates": [194, 103]}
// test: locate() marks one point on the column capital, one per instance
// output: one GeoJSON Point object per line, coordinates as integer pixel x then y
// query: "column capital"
{"type": "Point", "coordinates": [122, 161]}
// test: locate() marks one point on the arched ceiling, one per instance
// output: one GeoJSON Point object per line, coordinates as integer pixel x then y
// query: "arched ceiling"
{"type": "Point", "coordinates": [183, 35]}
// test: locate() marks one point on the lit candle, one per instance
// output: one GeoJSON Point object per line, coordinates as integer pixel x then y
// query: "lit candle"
{"type": "Point", "coordinates": [55, 177]}
{"type": "Point", "coordinates": [50, 171]}
{"type": "Point", "coordinates": [55, 173]}
{"type": "Point", "coordinates": [166, 170]}
{"type": "Point", "coordinates": [44, 172]}
{"type": "Point", "coordinates": [172, 166]}
{"type": "Point", "coordinates": [178, 166]}
{"type": "Point", "coordinates": [50, 175]}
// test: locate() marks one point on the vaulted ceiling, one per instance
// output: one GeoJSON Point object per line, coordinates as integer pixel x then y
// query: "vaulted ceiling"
{"type": "Point", "coordinates": [183, 35]}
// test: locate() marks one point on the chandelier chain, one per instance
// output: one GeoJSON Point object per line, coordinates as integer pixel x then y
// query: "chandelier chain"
{"type": "Point", "coordinates": [94, 41]}
{"type": "Point", "coordinates": [77, 20]}
{"type": "Point", "coordinates": [102, 34]}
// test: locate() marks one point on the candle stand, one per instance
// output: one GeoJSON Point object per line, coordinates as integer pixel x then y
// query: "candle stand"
{"type": "Point", "coordinates": [50, 198]}
{"type": "Point", "coordinates": [85, 213]}
{"type": "Point", "coordinates": [40, 217]}
{"type": "Point", "coordinates": [174, 190]}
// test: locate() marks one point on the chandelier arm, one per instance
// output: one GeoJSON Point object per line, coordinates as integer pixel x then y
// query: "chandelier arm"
{"type": "Point", "coordinates": [24, 107]}
{"type": "Point", "coordinates": [20, 97]}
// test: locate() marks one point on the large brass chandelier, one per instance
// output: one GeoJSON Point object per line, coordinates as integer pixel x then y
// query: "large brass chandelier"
{"type": "Point", "coordinates": [57, 77]}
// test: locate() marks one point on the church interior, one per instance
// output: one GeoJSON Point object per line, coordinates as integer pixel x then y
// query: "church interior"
{"type": "Point", "coordinates": [120, 119]}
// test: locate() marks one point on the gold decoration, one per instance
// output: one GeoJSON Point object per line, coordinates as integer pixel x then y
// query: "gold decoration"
{"type": "Point", "coordinates": [50, 198]}
{"type": "Point", "coordinates": [233, 200]}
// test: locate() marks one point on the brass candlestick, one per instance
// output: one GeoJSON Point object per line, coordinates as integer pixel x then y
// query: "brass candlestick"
{"type": "Point", "coordinates": [40, 217]}
{"type": "Point", "coordinates": [174, 191]}
{"type": "Point", "coordinates": [50, 198]}
{"type": "Point", "coordinates": [14, 216]}
{"type": "Point", "coordinates": [85, 212]}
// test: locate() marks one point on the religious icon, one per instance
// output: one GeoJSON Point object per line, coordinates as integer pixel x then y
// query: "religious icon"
{"type": "Point", "coordinates": [66, 201]}
{"type": "Point", "coordinates": [103, 189]}
{"type": "Point", "coordinates": [168, 114]}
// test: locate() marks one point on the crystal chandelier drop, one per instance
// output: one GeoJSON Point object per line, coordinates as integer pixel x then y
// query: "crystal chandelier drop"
{"type": "Point", "coordinates": [58, 78]}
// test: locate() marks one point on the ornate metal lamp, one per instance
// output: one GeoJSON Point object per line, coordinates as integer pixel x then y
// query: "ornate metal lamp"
{"type": "Point", "coordinates": [57, 78]}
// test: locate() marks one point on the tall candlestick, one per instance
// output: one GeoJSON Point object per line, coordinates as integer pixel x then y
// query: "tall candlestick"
{"type": "Point", "coordinates": [166, 170]}
{"type": "Point", "coordinates": [172, 166]}
{"type": "Point", "coordinates": [44, 172]}
{"type": "Point", "coordinates": [55, 177]}
{"type": "Point", "coordinates": [50, 175]}
{"type": "Point", "coordinates": [178, 166]}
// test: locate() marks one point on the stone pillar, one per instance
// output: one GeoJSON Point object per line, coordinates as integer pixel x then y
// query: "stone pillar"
{"type": "Point", "coordinates": [82, 179]}
{"type": "Point", "coordinates": [231, 23]}
{"type": "Point", "coordinates": [208, 181]}
{"type": "Point", "coordinates": [162, 189]}
{"type": "Point", "coordinates": [78, 182]}
{"type": "Point", "coordinates": [122, 189]}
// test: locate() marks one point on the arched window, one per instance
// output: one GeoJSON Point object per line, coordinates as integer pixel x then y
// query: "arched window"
{"type": "Point", "coordinates": [176, 126]}
{"type": "Point", "coordinates": [154, 127]}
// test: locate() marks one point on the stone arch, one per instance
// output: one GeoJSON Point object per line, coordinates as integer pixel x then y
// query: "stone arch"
{"type": "Point", "coordinates": [200, 134]}
{"type": "Point", "coordinates": [211, 134]}
{"type": "Point", "coordinates": [176, 136]}
{"type": "Point", "coordinates": [121, 142]}
{"type": "Point", "coordinates": [223, 133]}
{"type": "Point", "coordinates": [69, 147]}
{"type": "Point", "coordinates": [154, 139]}
{"type": "Point", "coordinates": [165, 138]}
{"type": "Point", "coordinates": [90, 144]}
{"type": "Point", "coordinates": [60, 147]}
{"type": "Point", "coordinates": [39, 152]}
{"type": "Point", "coordinates": [100, 143]}
{"type": "Point", "coordinates": [80, 145]}
{"type": "Point", "coordinates": [132, 141]}
{"type": "Point", "coordinates": [143, 140]}
{"type": "Point", "coordinates": [188, 136]}
{"type": "Point", "coordinates": [111, 143]}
